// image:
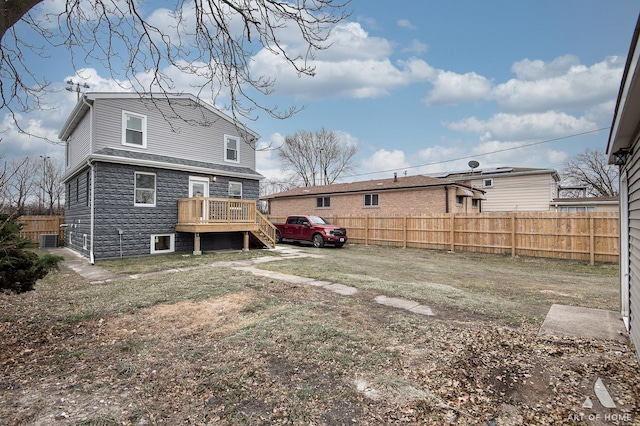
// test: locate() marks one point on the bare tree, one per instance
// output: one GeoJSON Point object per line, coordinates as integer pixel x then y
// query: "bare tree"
{"type": "Point", "coordinates": [318, 158]}
{"type": "Point", "coordinates": [50, 183]}
{"type": "Point", "coordinates": [211, 40]}
{"type": "Point", "coordinates": [21, 184]}
{"type": "Point", "coordinates": [592, 170]}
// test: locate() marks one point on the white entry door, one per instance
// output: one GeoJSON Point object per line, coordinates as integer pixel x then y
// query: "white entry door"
{"type": "Point", "coordinates": [199, 187]}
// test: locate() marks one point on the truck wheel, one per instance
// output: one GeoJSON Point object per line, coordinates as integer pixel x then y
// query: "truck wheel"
{"type": "Point", "coordinates": [278, 237]}
{"type": "Point", "coordinates": [318, 241]}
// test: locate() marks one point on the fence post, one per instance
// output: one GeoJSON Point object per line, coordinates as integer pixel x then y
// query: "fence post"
{"type": "Point", "coordinates": [452, 232]}
{"type": "Point", "coordinates": [592, 243]}
{"type": "Point", "coordinates": [366, 230]}
{"type": "Point", "coordinates": [513, 235]}
{"type": "Point", "coordinates": [404, 231]}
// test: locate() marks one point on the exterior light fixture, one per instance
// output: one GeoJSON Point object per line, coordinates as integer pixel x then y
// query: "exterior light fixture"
{"type": "Point", "coordinates": [621, 156]}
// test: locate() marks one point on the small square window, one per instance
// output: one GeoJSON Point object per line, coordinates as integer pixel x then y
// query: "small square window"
{"type": "Point", "coordinates": [134, 130]}
{"type": "Point", "coordinates": [459, 200]}
{"type": "Point", "coordinates": [323, 202]}
{"type": "Point", "coordinates": [235, 190]}
{"type": "Point", "coordinates": [371, 200]}
{"type": "Point", "coordinates": [145, 189]}
{"type": "Point", "coordinates": [231, 149]}
{"type": "Point", "coordinates": [474, 203]}
{"type": "Point", "coordinates": [487, 183]}
{"type": "Point", "coordinates": [162, 243]}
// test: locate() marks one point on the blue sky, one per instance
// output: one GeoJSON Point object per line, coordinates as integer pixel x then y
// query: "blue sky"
{"type": "Point", "coordinates": [425, 86]}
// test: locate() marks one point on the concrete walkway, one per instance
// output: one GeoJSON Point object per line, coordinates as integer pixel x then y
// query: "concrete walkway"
{"type": "Point", "coordinates": [560, 321]}
{"type": "Point", "coordinates": [575, 321]}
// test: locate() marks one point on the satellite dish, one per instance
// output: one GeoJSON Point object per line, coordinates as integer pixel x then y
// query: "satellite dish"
{"type": "Point", "coordinates": [473, 164]}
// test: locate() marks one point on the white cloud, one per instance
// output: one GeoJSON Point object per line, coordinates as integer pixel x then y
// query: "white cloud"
{"type": "Point", "coordinates": [416, 47]}
{"type": "Point", "coordinates": [383, 161]}
{"type": "Point", "coordinates": [528, 70]}
{"type": "Point", "coordinates": [405, 23]}
{"type": "Point", "coordinates": [355, 66]}
{"type": "Point", "coordinates": [504, 126]}
{"type": "Point", "coordinates": [450, 88]}
{"type": "Point", "coordinates": [578, 86]}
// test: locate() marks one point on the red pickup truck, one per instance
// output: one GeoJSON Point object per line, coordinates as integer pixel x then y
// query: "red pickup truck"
{"type": "Point", "coordinates": [310, 228]}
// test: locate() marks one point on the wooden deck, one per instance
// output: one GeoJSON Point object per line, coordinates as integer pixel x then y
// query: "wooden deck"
{"type": "Point", "coordinates": [202, 214]}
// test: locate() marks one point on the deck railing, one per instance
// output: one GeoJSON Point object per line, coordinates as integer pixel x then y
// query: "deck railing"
{"type": "Point", "coordinates": [211, 211]}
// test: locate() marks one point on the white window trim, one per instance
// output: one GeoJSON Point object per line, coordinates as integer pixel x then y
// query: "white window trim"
{"type": "Point", "coordinates": [155, 189]}
{"type": "Point", "coordinates": [484, 181]}
{"type": "Point", "coordinates": [172, 243]}
{"type": "Point", "coordinates": [124, 129]}
{"type": "Point", "coordinates": [85, 242]}
{"type": "Point", "coordinates": [226, 141]}
{"type": "Point", "coordinates": [370, 206]}
{"type": "Point", "coordinates": [237, 183]}
{"type": "Point", "coordinates": [323, 206]}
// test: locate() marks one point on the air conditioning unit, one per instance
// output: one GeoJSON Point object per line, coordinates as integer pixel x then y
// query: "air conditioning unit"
{"type": "Point", "coordinates": [48, 240]}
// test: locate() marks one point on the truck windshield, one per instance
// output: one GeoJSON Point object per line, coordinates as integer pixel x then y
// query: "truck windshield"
{"type": "Point", "coordinates": [317, 220]}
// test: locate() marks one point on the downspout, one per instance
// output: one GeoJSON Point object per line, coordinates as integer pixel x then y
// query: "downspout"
{"type": "Point", "coordinates": [92, 182]}
{"type": "Point", "coordinates": [446, 199]}
{"type": "Point", "coordinates": [92, 207]}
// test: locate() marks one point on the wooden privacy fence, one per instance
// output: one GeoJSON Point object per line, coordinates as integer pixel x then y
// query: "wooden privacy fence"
{"type": "Point", "coordinates": [592, 237]}
{"type": "Point", "coordinates": [34, 226]}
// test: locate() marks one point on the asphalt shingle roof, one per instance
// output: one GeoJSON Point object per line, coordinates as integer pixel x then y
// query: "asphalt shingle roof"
{"type": "Point", "coordinates": [406, 182]}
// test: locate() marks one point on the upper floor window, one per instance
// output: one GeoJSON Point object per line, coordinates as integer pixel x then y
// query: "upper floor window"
{"type": "Point", "coordinates": [134, 129]}
{"type": "Point", "coordinates": [231, 149]}
{"type": "Point", "coordinates": [323, 202]}
{"type": "Point", "coordinates": [145, 189]}
{"type": "Point", "coordinates": [235, 190]}
{"type": "Point", "coordinates": [371, 200]}
{"type": "Point", "coordinates": [487, 183]}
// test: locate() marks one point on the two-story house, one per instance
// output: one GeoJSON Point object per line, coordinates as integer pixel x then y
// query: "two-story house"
{"type": "Point", "coordinates": [512, 188]}
{"type": "Point", "coordinates": [157, 174]}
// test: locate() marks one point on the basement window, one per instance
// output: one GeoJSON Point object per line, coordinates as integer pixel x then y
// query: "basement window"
{"type": "Point", "coordinates": [162, 243]}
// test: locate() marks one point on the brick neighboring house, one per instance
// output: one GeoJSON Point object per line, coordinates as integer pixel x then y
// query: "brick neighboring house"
{"type": "Point", "coordinates": [399, 195]}
{"type": "Point", "coordinates": [156, 174]}
{"type": "Point", "coordinates": [512, 188]}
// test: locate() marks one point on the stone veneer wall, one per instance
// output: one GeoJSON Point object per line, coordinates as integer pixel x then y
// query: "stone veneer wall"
{"type": "Point", "coordinates": [114, 211]}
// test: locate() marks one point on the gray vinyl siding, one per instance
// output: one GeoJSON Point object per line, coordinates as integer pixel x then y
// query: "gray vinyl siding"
{"type": "Point", "coordinates": [115, 210]}
{"type": "Point", "coordinates": [80, 142]}
{"type": "Point", "coordinates": [170, 137]}
{"type": "Point", "coordinates": [77, 213]}
{"type": "Point", "coordinates": [633, 173]}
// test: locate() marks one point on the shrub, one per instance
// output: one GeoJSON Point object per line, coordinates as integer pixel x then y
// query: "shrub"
{"type": "Point", "coordinates": [20, 268]}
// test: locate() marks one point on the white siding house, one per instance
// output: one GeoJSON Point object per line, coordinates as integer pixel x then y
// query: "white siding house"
{"type": "Point", "coordinates": [509, 189]}
{"type": "Point", "coordinates": [623, 149]}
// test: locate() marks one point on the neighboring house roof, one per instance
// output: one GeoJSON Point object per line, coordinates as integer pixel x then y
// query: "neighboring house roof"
{"type": "Point", "coordinates": [85, 102]}
{"type": "Point", "coordinates": [583, 201]}
{"type": "Point", "coordinates": [497, 172]}
{"type": "Point", "coordinates": [375, 185]}
{"type": "Point", "coordinates": [120, 156]}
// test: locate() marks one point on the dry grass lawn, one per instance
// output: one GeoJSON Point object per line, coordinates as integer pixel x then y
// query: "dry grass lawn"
{"type": "Point", "coordinates": [213, 345]}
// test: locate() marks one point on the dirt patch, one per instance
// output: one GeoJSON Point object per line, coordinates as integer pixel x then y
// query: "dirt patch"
{"type": "Point", "coordinates": [166, 321]}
